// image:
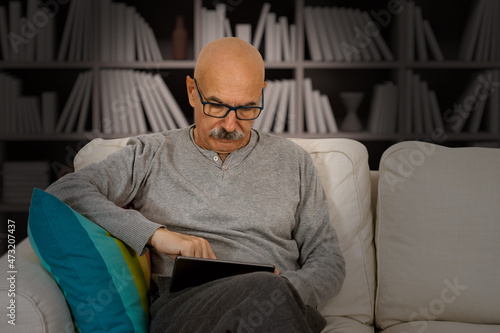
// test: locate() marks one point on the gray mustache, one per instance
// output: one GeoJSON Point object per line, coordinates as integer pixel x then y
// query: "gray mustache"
{"type": "Point", "coordinates": [221, 133]}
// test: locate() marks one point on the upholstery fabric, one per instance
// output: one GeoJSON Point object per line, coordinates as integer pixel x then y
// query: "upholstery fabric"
{"type": "Point", "coordinates": [437, 235]}
{"type": "Point", "coordinates": [342, 165]}
{"type": "Point", "coordinates": [104, 282]}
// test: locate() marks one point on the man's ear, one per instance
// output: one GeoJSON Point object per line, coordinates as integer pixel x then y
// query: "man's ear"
{"type": "Point", "coordinates": [191, 90]}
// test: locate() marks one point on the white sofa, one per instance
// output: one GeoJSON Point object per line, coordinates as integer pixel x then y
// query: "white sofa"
{"type": "Point", "coordinates": [421, 239]}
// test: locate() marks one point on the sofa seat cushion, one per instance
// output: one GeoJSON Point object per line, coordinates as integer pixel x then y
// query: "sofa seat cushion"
{"type": "Point", "coordinates": [342, 166]}
{"type": "Point", "coordinates": [104, 281]}
{"type": "Point", "coordinates": [437, 235]}
{"type": "Point", "coordinates": [441, 327]}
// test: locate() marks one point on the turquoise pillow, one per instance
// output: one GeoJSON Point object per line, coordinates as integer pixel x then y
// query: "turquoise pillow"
{"type": "Point", "coordinates": [104, 281]}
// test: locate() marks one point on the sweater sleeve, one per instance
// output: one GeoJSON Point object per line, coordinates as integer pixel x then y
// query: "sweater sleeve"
{"type": "Point", "coordinates": [100, 190]}
{"type": "Point", "coordinates": [322, 264]}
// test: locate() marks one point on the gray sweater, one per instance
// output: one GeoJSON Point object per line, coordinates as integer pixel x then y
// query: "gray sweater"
{"type": "Point", "coordinates": [267, 206]}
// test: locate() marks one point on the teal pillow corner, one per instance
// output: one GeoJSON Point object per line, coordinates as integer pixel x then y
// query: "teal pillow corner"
{"type": "Point", "coordinates": [103, 280]}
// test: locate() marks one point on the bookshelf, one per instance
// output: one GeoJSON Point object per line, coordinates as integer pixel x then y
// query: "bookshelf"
{"type": "Point", "coordinates": [448, 78]}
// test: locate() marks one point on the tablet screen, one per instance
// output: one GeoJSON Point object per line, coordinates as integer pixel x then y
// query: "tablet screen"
{"type": "Point", "coordinates": [191, 272]}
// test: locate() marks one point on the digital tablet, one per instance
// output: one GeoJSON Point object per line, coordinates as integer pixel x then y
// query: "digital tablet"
{"type": "Point", "coordinates": [191, 272]}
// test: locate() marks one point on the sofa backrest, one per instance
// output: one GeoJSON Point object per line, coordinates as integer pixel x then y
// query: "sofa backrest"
{"type": "Point", "coordinates": [438, 235]}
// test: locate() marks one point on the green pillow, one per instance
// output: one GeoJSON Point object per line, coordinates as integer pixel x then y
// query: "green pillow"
{"type": "Point", "coordinates": [104, 281]}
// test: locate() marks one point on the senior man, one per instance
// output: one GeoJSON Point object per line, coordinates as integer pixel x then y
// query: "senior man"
{"type": "Point", "coordinates": [219, 189]}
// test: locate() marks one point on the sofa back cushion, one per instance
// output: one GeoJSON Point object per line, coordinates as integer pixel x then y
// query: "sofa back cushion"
{"type": "Point", "coordinates": [342, 165]}
{"type": "Point", "coordinates": [437, 235]}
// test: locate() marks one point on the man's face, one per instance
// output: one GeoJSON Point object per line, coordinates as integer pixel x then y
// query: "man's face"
{"type": "Point", "coordinates": [223, 135]}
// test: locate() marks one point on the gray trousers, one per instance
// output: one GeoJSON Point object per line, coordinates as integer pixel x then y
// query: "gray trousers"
{"type": "Point", "coordinates": [255, 302]}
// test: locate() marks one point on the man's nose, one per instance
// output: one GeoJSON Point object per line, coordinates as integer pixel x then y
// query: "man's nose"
{"type": "Point", "coordinates": [230, 121]}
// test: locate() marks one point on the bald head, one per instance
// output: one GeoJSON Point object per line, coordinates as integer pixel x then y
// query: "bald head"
{"type": "Point", "coordinates": [230, 59]}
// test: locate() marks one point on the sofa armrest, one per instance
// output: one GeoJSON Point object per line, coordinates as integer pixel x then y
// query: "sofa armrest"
{"type": "Point", "coordinates": [39, 304]}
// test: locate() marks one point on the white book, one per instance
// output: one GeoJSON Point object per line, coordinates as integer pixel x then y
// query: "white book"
{"type": "Point", "coordinates": [494, 106]}
{"type": "Point", "coordinates": [85, 106]}
{"type": "Point", "coordinates": [105, 36]}
{"type": "Point", "coordinates": [159, 105]}
{"type": "Point", "coordinates": [426, 107]}
{"type": "Point", "coordinates": [375, 108]}
{"type": "Point", "coordinates": [120, 28]}
{"type": "Point", "coordinates": [418, 123]}
{"type": "Point", "coordinates": [270, 38]}
{"type": "Point", "coordinates": [114, 96]}
{"type": "Point", "coordinates": [75, 45]}
{"type": "Point", "coordinates": [292, 113]}
{"type": "Point", "coordinates": [127, 106]}
{"type": "Point", "coordinates": [105, 103]}
{"type": "Point", "coordinates": [154, 117]}
{"type": "Point", "coordinates": [16, 49]}
{"type": "Point", "coordinates": [324, 41]}
{"type": "Point", "coordinates": [482, 48]}
{"type": "Point", "coordinates": [464, 107]}
{"type": "Point", "coordinates": [494, 32]}
{"type": "Point", "coordinates": [370, 44]}
{"type": "Point", "coordinates": [79, 101]}
{"type": "Point", "coordinates": [259, 30]}
{"type": "Point", "coordinates": [269, 93]}
{"type": "Point", "coordinates": [351, 52]}
{"type": "Point", "coordinates": [332, 34]}
{"type": "Point", "coordinates": [129, 33]}
{"type": "Point", "coordinates": [341, 34]}
{"type": "Point", "coordinates": [410, 28]}
{"type": "Point", "coordinates": [220, 10]}
{"type": "Point", "coordinates": [135, 103]}
{"type": "Point", "coordinates": [437, 118]}
{"type": "Point", "coordinates": [120, 106]}
{"type": "Point", "coordinates": [278, 49]}
{"type": "Point", "coordinates": [293, 42]}
{"type": "Point", "coordinates": [86, 53]}
{"type": "Point", "coordinates": [478, 110]}
{"type": "Point", "coordinates": [311, 125]}
{"type": "Point", "coordinates": [331, 123]}
{"type": "Point", "coordinates": [360, 44]}
{"type": "Point", "coordinates": [312, 35]}
{"type": "Point", "coordinates": [381, 44]}
{"type": "Point", "coordinates": [49, 110]}
{"type": "Point", "coordinates": [285, 38]}
{"type": "Point", "coordinates": [139, 39]}
{"type": "Point", "coordinates": [432, 41]}
{"type": "Point", "coordinates": [155, 49]}
{"type": "Point", "coordinates": [143, 35]}
{"type": "Point", "coordinates": [319, 112]}
{"type": "Point", "coordinates": [67, 32]}
{"type": "Point", "coordinates": [212, 23]}
{"type": "Point", "coordinates": [3, 35]}
{"type": "Point", "coordinates": [272, 106]}
{"type": "Point", "coordinates": [30, 47]}
{"type": "Point", "coordinates": [419, 33]}
{"type": "Point", "coordinates": [409, 101]}
{"type": "Point", "coordinates": [384, 122]}
{"type": "Point", "coordinates": [227, 28]}
{"type": "Point", "coordinates": [204, 27]}
{"type": "Point", "coordinates": [471, 31]}
{"type": "Point", "coordinates": [72, 103]}
{"type": "Point", "coordinates": [244, 31]}
{"type": "Point", "coordinates": [282, 109]}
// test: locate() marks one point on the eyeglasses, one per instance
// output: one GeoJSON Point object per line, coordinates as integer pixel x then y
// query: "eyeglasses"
{"type": "Point", "coordinates": [217, 110]}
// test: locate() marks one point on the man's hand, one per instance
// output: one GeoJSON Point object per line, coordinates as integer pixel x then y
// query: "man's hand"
{"type": "Point", "coordinates": [174, 244]}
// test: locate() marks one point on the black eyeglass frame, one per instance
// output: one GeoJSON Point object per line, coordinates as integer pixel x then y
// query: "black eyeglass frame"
{"type": "Point", "coordinates": [230, 108]}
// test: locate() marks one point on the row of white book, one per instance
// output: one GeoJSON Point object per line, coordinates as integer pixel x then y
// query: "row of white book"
{"type": "Point", "coordinates": [130, 101]}
{"type": "Point", "coordinates": [383, 112]}
{"type": "Point", "coordinates": [481, 38]}
{"type": "Point", "coordinates": [420, 36]}
{"type": "Point", "coordinates": [124, 35]}
{"type": "Point", "coordinates": [27, 36]}
{"type": "Point", "coordinates": [278, 35]}
{"type": "Point", "coordinates": [478, 108]}
{"type": "Point", "coordinates": [20, 177]}
{"type": "Point", "coordinates": [22, 114]}
{"type": "Point", "coordinates": [343, 34]}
